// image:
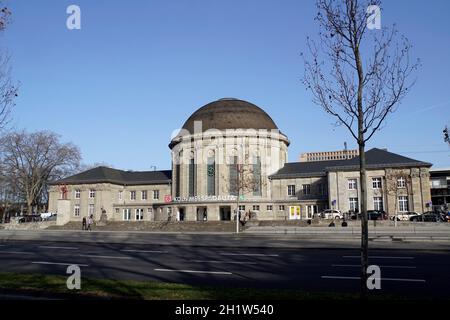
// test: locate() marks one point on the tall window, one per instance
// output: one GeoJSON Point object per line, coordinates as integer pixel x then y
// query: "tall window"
{"type": "Point", "coordinates": [91, 193]}
{"type": "Point", "coordinates": [233, 176]}
{"type": "Point", "coordinates": [155, 194]}
{"type": "Point", "coordinates": [139, 214]}
{"type": "Point", "coordinates": [91, 210]}
{"type": "Point", "coordinates": [76, 210]}
{"type": "Point", "coordinates": [126, 214]}
{"type": "Point", "coordinates": [376, 183]}
{"type": "Point", "coordinates": [378, 203]}
{"type": "Point", "coordinates": [401, 183]}
{"type": "Point", "coordinates": [352, 184]}
{"type": "Point", "coordinates": [353, 204]}
{"type": "Point", "coordinates": [177, 182]}
{"type": "Point", "coordinates": [322, 189]}
{"type": "Point", "coordinates": [77, 194]}
{"type": "Point", "coordinates": [211, 178]}
{"type": "Point", "coordinates": [133, 195]}
{"type": "Point", "coordinates": [403, 204]}
{"type": "Point", "coordinates": [144, 195]}
{"type": "Point", "coordinates": [192, 177]}
{"type": "Point", "coordinates": [257, 177]}
{"type": "Point", "coordinates": [291, 190]}
{"type": "Point", "coordinates": [120, 195]}
{"type": "Point", "coordinates": [306, 189]}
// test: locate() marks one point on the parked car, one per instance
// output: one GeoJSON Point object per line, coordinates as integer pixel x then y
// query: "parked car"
{"type": "Point", "coordinates": [47, 215]}
{"type": "Point", "coordinates": [331, 214]}
{"type": "Point", "coordinates": [375, 215]}
{"type": "Point", "coordinates": [404, 216]}
{"type": "Point", "coordinates": [428, 216]}
{"type": "Point", "coordinates": [29, 218]}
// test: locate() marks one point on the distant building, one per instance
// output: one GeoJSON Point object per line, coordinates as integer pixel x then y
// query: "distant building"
{"type": "Point", "coordinates": [329, 155]}
{"type": "Point", "coordinates": [440, 187]}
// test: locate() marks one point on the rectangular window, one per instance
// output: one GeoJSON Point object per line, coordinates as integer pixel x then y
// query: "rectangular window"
{"type": "Point", "coordinates": [91, 193]}
{"type": "Point", "coordinates": [126, 214]}
{"type": "Point", "coordinates": [139, 214]}
{"type": "Point", "coordinates": [291, 190]}
{"type": "Point", "coordinates": [144, 195]}
{"type": "Point", "coordinates": [155, 194]}
{"type": "Point", "coordinates": [378, 203]}
{"type": "Point", "coordinates": [241, 208]}
{"type": "Point", "coordinates": [150, 210]}
{"type": "Point", "coordinates": [211, 176]}
{"type": "Point", "coordinates": [233, 176]}
{"type": "Point", "coordinates": [353, 204]}
{"type": "Point", "coordinates": [403, 204]}
{"type": "Point", "coordinates": [77, 194]}
{"type": "Point", "coordinates": [306, 189]}
{"type": "Point", "coordinates": [177, 182]}
{"type": "Point", "coordinates": [256, 207]}
{"type": "Point", "coordinates": [132, 195]}
{"type": "Point", "coordinates": [376, 183]}
{"type": "Point", "coordinates": [401, 183]}
{"type": "Point", "coordinates": [269, 208]}
{"type": "Point", "coordinates": [281, 208]}
{"type": "Point", "coordinates": [76, 210]}
{"type": "Point", "coordinates": [120, 195]}
{"type": "Point", "coordinates": [117, 210]}
{"type": "Point", "coordinates": [91, 210]}
{"type": "Point", "coordinates": [257, 177]}
{"type": "Point", "coordinates": [192, 177]}
{"type": "Point", "coordinates": [352, 184]}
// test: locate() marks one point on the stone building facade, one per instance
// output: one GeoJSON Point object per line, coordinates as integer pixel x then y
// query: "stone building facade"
{"type": "Point", "coordinates": [230, 154]}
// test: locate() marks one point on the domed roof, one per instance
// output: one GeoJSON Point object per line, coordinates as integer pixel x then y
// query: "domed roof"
{"type": "Point", "coordinates": [230, 113]}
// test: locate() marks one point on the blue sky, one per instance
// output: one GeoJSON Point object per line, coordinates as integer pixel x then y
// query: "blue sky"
{"type": "Point", "coordinates": [137, 69]}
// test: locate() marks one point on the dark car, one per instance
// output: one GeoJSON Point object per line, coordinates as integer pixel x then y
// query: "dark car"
{"type": "Point", "coordinates": [428, 216]}
{"type": "Point", "coordinates": [375, 215]}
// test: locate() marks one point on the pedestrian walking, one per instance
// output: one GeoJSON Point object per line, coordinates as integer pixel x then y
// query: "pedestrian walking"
{"type": "Point", "coordinates": [89, 223]}
{"type": "Point", "coordinates": [83, 225]}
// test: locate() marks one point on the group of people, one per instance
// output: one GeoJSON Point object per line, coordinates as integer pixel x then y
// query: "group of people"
{"type": "Point", "coordinates": [87, 223]}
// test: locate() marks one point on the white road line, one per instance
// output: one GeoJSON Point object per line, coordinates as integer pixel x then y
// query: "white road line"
{"type": "Point", "coordinates": [104, 257]}
{"type": "Point", "coordinates": [249, 254]}
{"type": "Point", "coordinates": [194, 271]}
{"type": "Point", "coordinates": [228, 262]}
{"type": "Point", "coordinates": [60, 263]}
{"type": "Point", "coordinates": [379, 257]}
{"type": "Point", "coordinates": [144, 251]}
{"type": "Point", "coordinates": [16, 252]}
{"type": "Point", "coordinates": [359, 266]}
{"type": "Point", "coordinates": [382, 279]}
{"type": "Point", "coordinates": [62, 248]}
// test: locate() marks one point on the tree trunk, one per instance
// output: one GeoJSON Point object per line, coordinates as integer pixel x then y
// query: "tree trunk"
{"type": "Point", "coordinates": [364, 222]}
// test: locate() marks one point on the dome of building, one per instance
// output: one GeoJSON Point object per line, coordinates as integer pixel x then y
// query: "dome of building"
{"type": "Point", "coordinates": [230, 113]}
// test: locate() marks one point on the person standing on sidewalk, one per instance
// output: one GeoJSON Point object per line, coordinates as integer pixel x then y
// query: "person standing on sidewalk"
{"type": "Point", "coordinates": [83, 225]}
{"type": "Point", "coordinates": [89, 223]}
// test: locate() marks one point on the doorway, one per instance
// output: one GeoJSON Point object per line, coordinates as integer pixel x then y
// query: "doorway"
{"type": "Point", "coordinates": [202, 214]}
{"type": "Point", "coordinates": [225, 213]}
{"type": "Point", "coordinates": [311, 210]}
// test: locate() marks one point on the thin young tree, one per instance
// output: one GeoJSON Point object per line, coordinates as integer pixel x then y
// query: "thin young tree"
{"type": "Point", "coordinates": [359, 76]}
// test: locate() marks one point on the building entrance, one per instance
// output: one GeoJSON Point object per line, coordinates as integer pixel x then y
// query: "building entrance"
{"type": "Point", "coordinates": [202, 214]}
{"type": "Point", "coordinates": [225, 213]}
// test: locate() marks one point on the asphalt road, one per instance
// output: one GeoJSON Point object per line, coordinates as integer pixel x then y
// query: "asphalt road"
{"type": "Point", "coordinates": [421, 273]}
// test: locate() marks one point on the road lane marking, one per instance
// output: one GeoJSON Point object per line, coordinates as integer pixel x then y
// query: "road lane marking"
{"type": "Point", "coordinates": [60, 263]}
{"type": "Point", "coordinates": [379, 257]}
{"type": "Point", "coordinates": [16, 252]}
{"type": "Point", "coordinates": [381, 279]}
{"type": "Point", "coordinates": [230, 262]}
{"type": "Point", "coordinates": [144, 251]}
{"type": "Point", "coordinates": [104, 257]}
{"type": "Point", "coordinates": [63, 248]}
{"type": "Point", "coordinates": [359, 266]}
{"type": "Point", "coordinates": [193, 271]}
{"type": "Point", "coordinates": [249, 254]}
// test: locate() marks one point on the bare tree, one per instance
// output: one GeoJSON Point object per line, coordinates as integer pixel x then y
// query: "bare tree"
{"type": "Point", "coordinates": [32, 160]}
{"type": "Point", "coordinates": [359, 77]}
{"type": "Point", "coordinates": [446, 135]}
{"type": "Point", "coordinates": [8, 90]}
